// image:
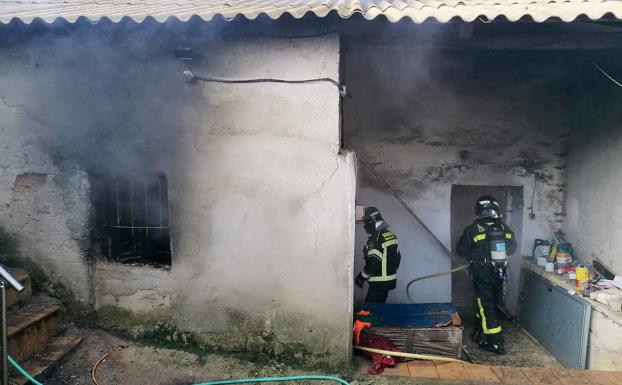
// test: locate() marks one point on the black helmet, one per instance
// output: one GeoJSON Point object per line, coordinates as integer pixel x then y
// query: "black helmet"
{"type": "Point", "coordinates": [487, 206]}
{"type": "Point", "coordinates": [372, 220]}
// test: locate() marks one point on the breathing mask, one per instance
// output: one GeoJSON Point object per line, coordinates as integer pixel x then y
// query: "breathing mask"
{"type": "Point", "coordinates": [487, 207]}
{"type": "Point", "coordinates": [372, 221]}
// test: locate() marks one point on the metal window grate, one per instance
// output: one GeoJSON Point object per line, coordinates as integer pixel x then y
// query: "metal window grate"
{"type": "Point", "coordinates": [137, 221]}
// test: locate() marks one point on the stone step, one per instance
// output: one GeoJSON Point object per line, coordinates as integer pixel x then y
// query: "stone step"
{"type": "Point", "coordinates": [30, 327]}
{"type": "Point", "coordinates": [41, 364]}
{"type": "Point", "coordinates": [12, 297]}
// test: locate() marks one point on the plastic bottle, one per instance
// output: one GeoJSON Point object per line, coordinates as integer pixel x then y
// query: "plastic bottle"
{"type": "Point", "coordinates": [582, 278]}
{"type": "Point", "coordinates": [541, 248]}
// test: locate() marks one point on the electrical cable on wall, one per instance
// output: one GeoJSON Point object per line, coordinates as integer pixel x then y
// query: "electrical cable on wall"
{"type": "Point", "coordinates": [532, 214]}
{"type": "Point", "coordinates": [598, 67]}
{"type": "Point", "coordinates": [602, 71]}
{"type": "Point", "coordinates": [190, 76]}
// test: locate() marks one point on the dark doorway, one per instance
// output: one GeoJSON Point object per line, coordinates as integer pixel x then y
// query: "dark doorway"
{"type": "Point", "coordinates": [462, 215]}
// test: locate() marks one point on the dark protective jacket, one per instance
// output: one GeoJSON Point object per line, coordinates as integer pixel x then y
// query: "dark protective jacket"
{"type": "Point", "coordinates": [382, 259]}
{"type": "Point", "coordinates": [474, 244]}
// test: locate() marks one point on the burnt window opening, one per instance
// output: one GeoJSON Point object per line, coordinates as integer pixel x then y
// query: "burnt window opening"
{"type": "Point", "coordinates": [133, 220]}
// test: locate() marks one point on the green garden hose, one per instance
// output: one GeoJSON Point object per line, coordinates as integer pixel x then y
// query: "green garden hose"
{"type": "Point", "coordinates": [277, 379]}
{"type": "Point", "coordinates": [22, 371]}
{"type": "Point", "coordinates": [242, 381]}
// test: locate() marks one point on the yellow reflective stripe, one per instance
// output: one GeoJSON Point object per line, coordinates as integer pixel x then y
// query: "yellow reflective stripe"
{"type": "Point", "coordinates": [479, 237]}
{"type": "Point", "coordinates": [484, 325]}
{"type": "Point", "coordinates": [384, 260]}
{"type": "Point", "coordinates": [374, 253]}
{"type": "Point", "coordinates": [383, 279]}
{"type": "Point", "coordinates": [388, 235]}
{"type": "Point", "coordinates": [364, 274]}
{"type": "Point", "coordinates": [508, 236]}
{"type": "Point", "coordinates": [389, 243]}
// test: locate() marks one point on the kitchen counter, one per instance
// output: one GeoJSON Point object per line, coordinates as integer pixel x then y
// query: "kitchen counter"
{"type": "Point", "coordinates": [562, 281]}
{"type": "Point", "coordinates": [605, 334]}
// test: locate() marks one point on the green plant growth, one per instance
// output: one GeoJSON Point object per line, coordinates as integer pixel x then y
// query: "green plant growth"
{"type": "Point", "coordinates": [160, 330]}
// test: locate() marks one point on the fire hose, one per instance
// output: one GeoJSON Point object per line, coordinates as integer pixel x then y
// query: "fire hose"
{"type": "Point", "coordinates": [457, 269]}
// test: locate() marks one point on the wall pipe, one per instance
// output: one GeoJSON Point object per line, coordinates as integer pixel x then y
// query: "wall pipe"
{"type": "Point", "coordinates": [449, 253]}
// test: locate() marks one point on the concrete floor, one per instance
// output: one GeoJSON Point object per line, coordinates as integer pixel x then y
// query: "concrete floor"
{"type": "Point", "coordinates": [522, 350]}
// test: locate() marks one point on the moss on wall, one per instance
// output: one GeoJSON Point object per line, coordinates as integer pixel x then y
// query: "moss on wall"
{"type": "Point", "coordinates": [159, 329]}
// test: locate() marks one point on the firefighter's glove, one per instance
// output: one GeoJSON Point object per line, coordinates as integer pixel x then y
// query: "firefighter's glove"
{"type": "Point", "coordinates": [359, 281]}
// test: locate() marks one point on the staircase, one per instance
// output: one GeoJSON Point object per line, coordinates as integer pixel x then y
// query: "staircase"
{"type": "Point", "coordinates": [36, 338]}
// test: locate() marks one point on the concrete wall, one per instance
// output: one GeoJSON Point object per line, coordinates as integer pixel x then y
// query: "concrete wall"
{"type": "Point", "coordinates": [428, 119]}
{"type": "Point", "coordinates": [44, 205]}
{"type": "Point", "coordinates": [594, 205]}
{"type": "Point", "coordinates": [261, 199]}
{"type": "Point", "coordinates": [604, 341]}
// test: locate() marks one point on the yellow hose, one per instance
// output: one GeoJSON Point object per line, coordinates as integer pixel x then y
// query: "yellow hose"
{"type": "Point", "coordinates": [409, 355]}
{"type": "Point", "coordinates": [463, 267]}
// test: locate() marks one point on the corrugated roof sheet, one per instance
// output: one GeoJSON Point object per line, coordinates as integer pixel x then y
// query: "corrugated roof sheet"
{"type": "Point", "coordinates": [394, 10]}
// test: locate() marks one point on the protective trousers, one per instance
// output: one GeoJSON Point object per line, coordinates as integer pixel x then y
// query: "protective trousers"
{"type": "Point", "coordinates": [378, 292]}
{"type": "Point", "coordinates": [488, 290]}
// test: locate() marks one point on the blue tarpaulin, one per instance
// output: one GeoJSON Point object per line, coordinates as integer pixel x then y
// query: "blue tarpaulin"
{"type": "Point", "coordinates": [423, 315]}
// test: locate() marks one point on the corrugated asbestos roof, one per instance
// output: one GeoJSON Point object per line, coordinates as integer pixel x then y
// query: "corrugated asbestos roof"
{"type": "Point", "coordinates": [394, 10]}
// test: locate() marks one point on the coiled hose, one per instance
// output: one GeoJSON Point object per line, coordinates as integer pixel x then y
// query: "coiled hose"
{"type": "Point", "coordinates": [225, 382]}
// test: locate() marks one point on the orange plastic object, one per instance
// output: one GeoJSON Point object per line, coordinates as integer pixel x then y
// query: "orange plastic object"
{"type": "Point", "coordinates": [358, 329]}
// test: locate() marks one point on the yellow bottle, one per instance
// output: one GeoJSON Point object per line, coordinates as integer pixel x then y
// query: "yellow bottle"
{"type": "Point", "coordinates": [582, 278]}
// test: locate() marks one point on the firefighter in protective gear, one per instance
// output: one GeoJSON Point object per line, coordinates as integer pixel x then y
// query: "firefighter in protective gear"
{"type": "Point", "coordinates": [486, 244]}
{"type": "Point", "coordinates": [382, 258]}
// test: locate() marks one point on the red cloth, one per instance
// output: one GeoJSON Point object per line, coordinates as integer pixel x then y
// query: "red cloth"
{"type": "Point", "coordinates": [380, 361]}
